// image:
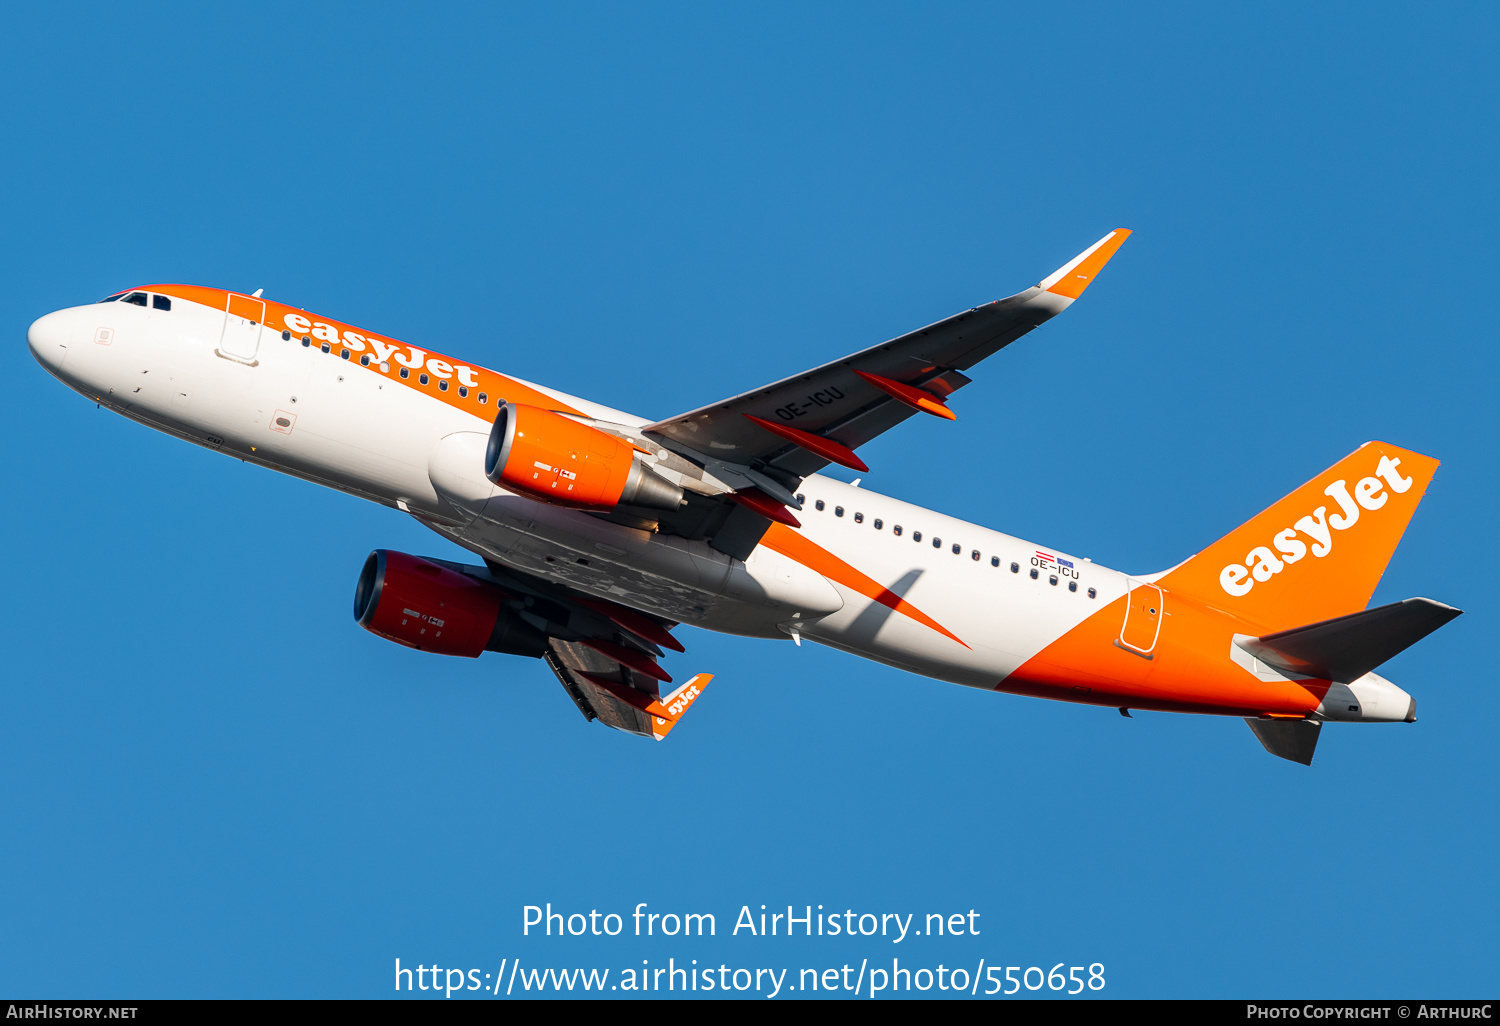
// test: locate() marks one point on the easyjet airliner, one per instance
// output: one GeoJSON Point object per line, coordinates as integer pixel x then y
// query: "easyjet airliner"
{"type": "Point", "coordinates": [600, 531]}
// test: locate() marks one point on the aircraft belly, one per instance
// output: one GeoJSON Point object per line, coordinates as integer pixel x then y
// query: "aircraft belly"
{"type": "Point", "coordinates": [684, 580]}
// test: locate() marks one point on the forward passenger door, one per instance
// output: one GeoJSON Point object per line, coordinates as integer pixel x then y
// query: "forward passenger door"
{"type": "Point", "coordinates": [243, 317]}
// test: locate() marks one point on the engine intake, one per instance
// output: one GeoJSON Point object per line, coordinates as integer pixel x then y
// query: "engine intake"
{"type": "Point", "coordinates": [424, 605]}
{"type": "Point", "coordinates": [549, 457]}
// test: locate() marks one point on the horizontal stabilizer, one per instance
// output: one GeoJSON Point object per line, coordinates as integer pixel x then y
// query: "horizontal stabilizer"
{"type": "Point", "coordinates": [1346, 648]}
{"type": "Point", "coordinates": [1288, 739]}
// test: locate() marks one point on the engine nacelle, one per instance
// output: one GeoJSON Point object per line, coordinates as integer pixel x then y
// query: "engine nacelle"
{"type": "Point", "coordinates": [424, 605]}
{"type": "Point", "coordinates": [547, 456]}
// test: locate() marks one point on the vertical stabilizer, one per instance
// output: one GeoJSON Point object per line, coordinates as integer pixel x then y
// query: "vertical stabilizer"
{"type": "Point", "coordinates": [1319, 552]}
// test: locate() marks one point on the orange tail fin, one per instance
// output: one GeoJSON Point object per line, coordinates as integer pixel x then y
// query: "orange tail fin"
{"type": "Point", "coordinates": [1319, 552]}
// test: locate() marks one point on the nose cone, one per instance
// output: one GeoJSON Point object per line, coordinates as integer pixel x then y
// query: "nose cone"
{"type": "Point", "coordinates": [48, 338]}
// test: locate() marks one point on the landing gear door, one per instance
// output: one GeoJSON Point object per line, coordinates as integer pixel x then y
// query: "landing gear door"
{"type": "Point", "coordinates": [243, 316]}
{"type": "Point", "coordinates": [1142, 624]}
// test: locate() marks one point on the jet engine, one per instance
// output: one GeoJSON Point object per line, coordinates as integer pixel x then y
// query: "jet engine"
{"type": "Point", "coordinates": [547, 456]}
{"type": "Point", "coordinates": [427, 606]}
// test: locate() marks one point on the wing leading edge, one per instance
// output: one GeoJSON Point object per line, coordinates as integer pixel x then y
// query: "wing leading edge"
{"type": "Point", "coordinates": [854, 399]}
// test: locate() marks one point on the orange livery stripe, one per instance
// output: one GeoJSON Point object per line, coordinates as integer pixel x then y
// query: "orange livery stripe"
{"type": "Point", "coordinates": [384, 352]}
{"type": "Point", "coordinates": [813, 556]}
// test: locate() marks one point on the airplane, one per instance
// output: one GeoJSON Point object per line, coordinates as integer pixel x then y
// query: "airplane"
{"type": "Point", "coordinates": [600, 531]}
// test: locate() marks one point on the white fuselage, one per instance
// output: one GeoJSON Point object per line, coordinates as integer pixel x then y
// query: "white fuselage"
{"type": "Point", "coordinates": [865, 573]}
{"type": "Point", "coordinates": [352, 428]}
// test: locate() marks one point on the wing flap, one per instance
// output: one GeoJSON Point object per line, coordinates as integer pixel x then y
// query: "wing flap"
{"type": "Point", "coordinates": [579, 668]}
{"type": "Point", "coordinates": [615, 694]}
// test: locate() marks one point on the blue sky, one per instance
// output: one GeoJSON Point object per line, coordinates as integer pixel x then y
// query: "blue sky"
{"type": "Point", "coordinates": [214, 784]}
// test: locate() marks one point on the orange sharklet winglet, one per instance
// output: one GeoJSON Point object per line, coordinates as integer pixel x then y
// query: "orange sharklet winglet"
{"type": "Point", "coordinates": [918, 398]}
{"type": "Point", "coordinates": [815, 444]}
{"type": "Point", "coordinates": [1073, 277]}
{"type": "Point", "coordinates": [665, 712]}
{"type": "Point", "coordinates": [668, 711]}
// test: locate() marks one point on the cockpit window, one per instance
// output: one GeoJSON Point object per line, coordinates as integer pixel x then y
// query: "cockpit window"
{"type": "Point", "coordinates": [114, 298]}
{"type": "Point", "coordinates": [138, 298]}
{"type": "Point", "coordinates": [160, 303]}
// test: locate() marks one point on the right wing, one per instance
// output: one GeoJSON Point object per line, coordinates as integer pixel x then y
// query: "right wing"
{"type": "Point", "coordinates": [604, 654]}
{"type": "Point", "coordinates": [605, 690]}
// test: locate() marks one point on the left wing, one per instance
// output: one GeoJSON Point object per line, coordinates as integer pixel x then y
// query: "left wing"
{"type": "Point", "coordinates": [801, 424]}
{"type": "Point", "coordinates": [739, 462]}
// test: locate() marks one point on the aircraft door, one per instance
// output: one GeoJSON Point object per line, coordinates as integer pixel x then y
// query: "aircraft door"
{"type": "Point", "coordinates": [243, 316]}
{"type": "Point", "coordinates": [1142, 624]}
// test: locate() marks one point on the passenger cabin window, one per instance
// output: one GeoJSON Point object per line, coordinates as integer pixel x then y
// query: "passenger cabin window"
{"type": "Point", "coordinates": [343, 354]}
{"type": "Point", "coordinates": [1015, 568]}
{"type": "Point", "coordinates": [994, 561]}
{"type": "Point", "coordinates": [957, 548]}
{"type": "Point", "coordinates": [1072, 585]}
{"type": "Point", "coordinates": [879, 523]}
{"type": "Point", "coordinates": [838, 511]}
{"type": "Point", "coordinates": [325, 347]}
{"type": "Point", "coordinates": [916, 536]}
{"type": "Point", "coordinates": [160, 303]}
{"type": "Point", "coordinates": [896, 530]}
{"type": "Point", "coordinates": [286, 336]}
{"type": "Point", "coordinates": [801, 499]}
{"type": "Point", "coordinates": [974, 555]}
{"type": "Point", "coordinates": [1033, 573]}
{"type": "Point", "coordinates": [1093, 593]}
{"type": "Point", "coordinates": [818, 505]}
{"type": "Point", "coordinates": [138, 298]}
{"type": "Point", "coordinates": [859, 518]}
{"type": "Point", "coordinates": [306, 341]}
{"type": "Point", "coordinates": [442, 386]}
{"type": "Point", "coordinates": [937, 543]}
{"type": "Point", "coordinates": [423, 379]}
{"type": "Point", "coordinates": [364, 361]}
{"type": "Point", "coordinates": [463, 393]}
{"type": "Point", "coordinates": [405, 373]}
{"type": "Point", "coordinates": [483, 398]}
{"type": "Point", "coordinates": [1052, 581]}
